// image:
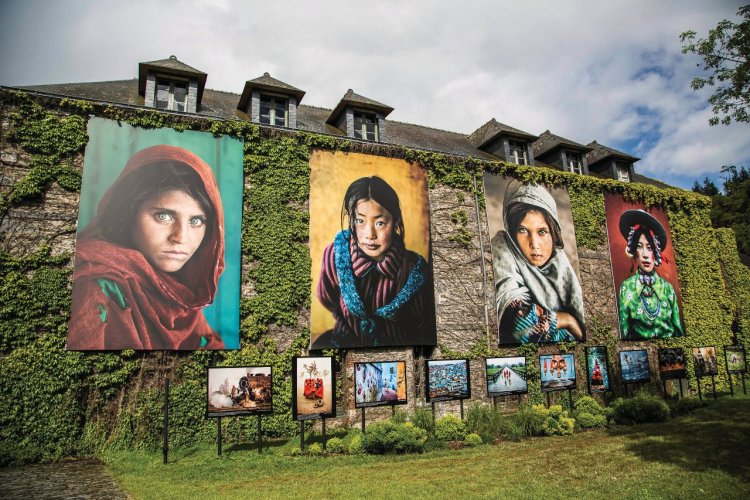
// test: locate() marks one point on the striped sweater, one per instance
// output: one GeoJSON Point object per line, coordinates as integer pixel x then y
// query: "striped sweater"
{"type": "Point", "coordinates": [377, 283]}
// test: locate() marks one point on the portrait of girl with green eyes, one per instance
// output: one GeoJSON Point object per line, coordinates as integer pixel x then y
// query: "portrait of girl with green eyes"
{"type": "Point", "coordinates": [149, 260]}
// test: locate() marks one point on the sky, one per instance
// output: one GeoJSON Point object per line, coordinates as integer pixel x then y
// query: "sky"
{"type": "Point", "coordinates": [610, 71]}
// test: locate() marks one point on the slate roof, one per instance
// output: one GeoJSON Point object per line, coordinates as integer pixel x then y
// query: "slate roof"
{"type": "Point", "coordinates": [548, 142]}
{"type": "Point", "coordinates": [223, 105]}
{"type": "Point", "coordinates": [600, 152]}
{"type": "Point", "coordinates": [493, 129]}
{"type": "Point", "coordinates": [356, 100]}
{"type": "Point", "coordinates": [268, 83]}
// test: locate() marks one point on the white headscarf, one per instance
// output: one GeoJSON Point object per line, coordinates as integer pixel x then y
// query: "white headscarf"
{"type": "Point", "coordinates": [553, 286]}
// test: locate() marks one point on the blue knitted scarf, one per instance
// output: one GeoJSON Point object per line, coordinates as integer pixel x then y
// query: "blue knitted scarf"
{"type": "Point", "coordinates": [348, 286]}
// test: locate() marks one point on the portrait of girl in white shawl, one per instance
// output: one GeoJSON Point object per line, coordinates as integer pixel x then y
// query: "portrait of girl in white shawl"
{"type": "Point", "coordinates": [537, 292]}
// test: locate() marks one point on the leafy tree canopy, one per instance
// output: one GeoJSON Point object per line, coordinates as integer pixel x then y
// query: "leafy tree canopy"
{"type": "Point", "coordinates": [731, 208]}
{"type": "Point", "coordinates": [725, 52]}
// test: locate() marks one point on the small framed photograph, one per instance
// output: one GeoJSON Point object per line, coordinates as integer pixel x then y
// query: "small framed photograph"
{"type": "Point", "coordinates": [634, 366]}
{"type": "Point", "coordinates": [381, 383]}
{"type": "Point", "coordinates": [239, 390]}
{"type": "Point", "coordinates": [672, 363]}
{"type": "Point", "coordinates": [558, 372]}
{"type": "Point", "coordinates": [705, 361]}
{"type": "Point", "coordinates": [506, 376]}
{"type": "Point", "coordinates": [448, 379]}
{"type": "Point", "coordinates": [735, 357]}
{"type": "Point", "coordinates": [313, 387]}
{"type": "Point", "coordinates": [597, 369]}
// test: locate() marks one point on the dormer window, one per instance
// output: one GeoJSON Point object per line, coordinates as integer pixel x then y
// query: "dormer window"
{"type": "Point", "coordinates": [574, 162]}
{"type": "Point", "coordinates": [365, 126]}
{"type": "Point", "coordinates": [274, 110]}
{"type": "Point", "coordinates": [269, 101]}
{"type": "Point", "coordinates": [171, 85]}
{"type": "Point", "coordinates": [171, 94]}
{"type": "Point", "coordinates": [517, 152]}
{"type": "Point", "coordinates": [623, 171]}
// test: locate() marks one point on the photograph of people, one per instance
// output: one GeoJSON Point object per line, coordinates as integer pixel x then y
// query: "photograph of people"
{"type": "Point", "coordinates": [538, 294]}
{"type": "Point", "coordinates": [644, 271]}
{"type": "Point", "coordinates": [647, 302]}
{"type": "Point", "coordinates": [371, 267]}
{"type": "Point", "coordinates": [370, 281]}
{"type": "Point", "coordinates": [150, 260]}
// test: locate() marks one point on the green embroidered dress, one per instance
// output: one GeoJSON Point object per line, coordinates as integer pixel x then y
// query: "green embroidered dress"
{"type": "Point", "coordinates": [648, 311]}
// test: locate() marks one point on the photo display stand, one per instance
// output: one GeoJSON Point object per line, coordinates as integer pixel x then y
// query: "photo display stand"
{"type": "Point", "coordinates": [447, 380]}
{"type": "Point", "coordinates": [505, 376]}
{"type": "Point", "coordinates": [314, 392]}
{"type": "Point", "coordinates": [705, 365]}
{"type": "Point", "coordinates": [672, 366]}
{"type": "Point", "coordinates": [238, 391]}
{"type": "Point", "coordinates": [634, 368]}
{"type": "Point", "coordinates": [379, 383]}
{"type": "Point", "coordinates": [734, 358]}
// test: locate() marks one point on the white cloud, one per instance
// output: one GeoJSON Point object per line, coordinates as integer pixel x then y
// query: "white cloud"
{"type": "Point", "coordinates": [610, 71]}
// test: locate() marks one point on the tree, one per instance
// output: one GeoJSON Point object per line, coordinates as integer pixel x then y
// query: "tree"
{"type": "Point", "coordinates": [732, 207]}
{"type": "Point", "coordinates": [726, 57]}
{"type": "Point", "coordinates": [708, 188]}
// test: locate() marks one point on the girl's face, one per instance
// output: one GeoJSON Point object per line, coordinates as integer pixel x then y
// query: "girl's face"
{"type": "Point", "coordinates": [644, 255]}
{"type": "Point", "coordinates": [374, 227]}
{"type": "Point", "coordinates": [168, 230]}
{"type": "Point", "coordinates": [534, 238]}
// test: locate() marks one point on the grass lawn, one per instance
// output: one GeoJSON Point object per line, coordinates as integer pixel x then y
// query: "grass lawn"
{"type": "Point", "coordinates": [701, 455]}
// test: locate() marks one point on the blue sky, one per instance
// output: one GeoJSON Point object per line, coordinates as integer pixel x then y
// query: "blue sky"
{"type": "Point", "coordinates": [586, 70]}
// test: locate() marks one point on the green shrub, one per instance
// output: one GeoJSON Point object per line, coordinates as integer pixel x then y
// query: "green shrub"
{"type": "Point", "coordinates": [424, 419]}
{"type": "Point", "coordinates": [296, 451]}
{"type": "Point", "coordinates": [387, 437]}
{"type": "Point", "coordinates": [399, 417]}
{"type": "Point", "coordinates": [450, 428]}
{"type": "Point", "coordinates": [315, 449]}
{"type": "Point", "coordinates": [512, 430]}
{"type": "Point", "coordinates": [356, 447]}
{"type": "Point", "coordinates": [683, 406]}
{"type": "Point", "coordinates": [640, 409]}
{"type": "Point", "coordinates": [473, 440]}
{"type": "Point", "coordinates": [531, 420]}
{"type": "Point", "coordinates": [485, 421]}
{"type": "Point", "coordinates": [587, 404]}
{"type": "Point", "coordinates": [556, 411]}
{"type": "Point", "coordinates": [586, 420]}
{"type": "Point", "coordinates": [335, 445]}
{"type": "Point", "coordinates": [567, 424]}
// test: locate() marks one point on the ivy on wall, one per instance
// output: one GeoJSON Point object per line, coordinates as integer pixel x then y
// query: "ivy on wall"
{"type": "Point", "coordinates": [67, 403]}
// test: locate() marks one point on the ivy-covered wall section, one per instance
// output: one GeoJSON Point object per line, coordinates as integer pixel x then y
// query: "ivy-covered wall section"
{"type": "Point", "coordinates": [59, 403]}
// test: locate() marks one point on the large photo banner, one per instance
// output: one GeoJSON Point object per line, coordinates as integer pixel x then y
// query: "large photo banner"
{"type": "Point", "coordinates": [370, 248]}
{"type": "Point", "coordinates": [157, 262]}
{"type": "Point", "coordinates": [538, 293]}
{"type": "Point", "coordinates": [644, 270]}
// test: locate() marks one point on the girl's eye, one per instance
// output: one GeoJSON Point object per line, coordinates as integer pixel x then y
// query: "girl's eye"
{"type": "Point", "coordinates": [542, 232]}
{"type": "Point", "coordinates": [380, 223]}
{"type": "Point", "coordinates": [522, 230]}
{"type": "Point", "coordinates": [359, 221]}
{"type": "Point", "coordinates": [197, 221]}
{"type": "Point", "coordinates": [163, 217]}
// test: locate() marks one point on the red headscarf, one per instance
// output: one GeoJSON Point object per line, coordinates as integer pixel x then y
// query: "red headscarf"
{"type": "Point", "coordinates": [148, 309]}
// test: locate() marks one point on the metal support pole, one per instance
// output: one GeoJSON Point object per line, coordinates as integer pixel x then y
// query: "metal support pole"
{"type": "Point", "coordinates": [324, 434]}
{"type": "Point", "coordinates": [218, 436]}
{"type": "Point", "coordinates": [363, 420]}
{"type": "Point", "coordinates": [462, 409]}
{"type": "Point", "coordinates": [713, 385]}
{"type": "Point", "coordinates": [165, 445]}
{"type": "Point", "coordinates": [700, 395]}
{"type": "Point", "coordinates": [731, 385]}
{"type": "Point", "coordinates": [302, 435]}
{"type": "Point", "coordinates": [260, 436]}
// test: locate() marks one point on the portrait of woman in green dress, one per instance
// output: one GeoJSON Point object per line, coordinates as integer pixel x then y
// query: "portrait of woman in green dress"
{"type": "Point", "coordinates": [648, 304]}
